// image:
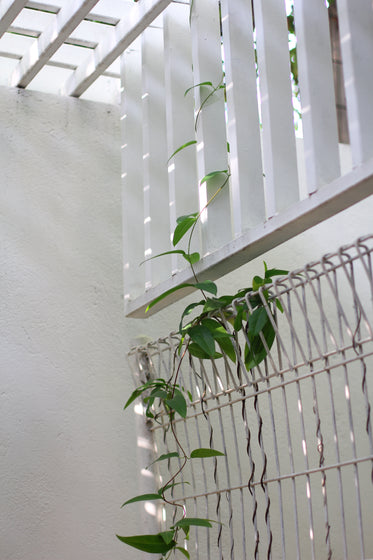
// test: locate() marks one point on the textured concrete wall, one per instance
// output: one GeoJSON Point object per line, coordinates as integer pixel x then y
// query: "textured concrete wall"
{"type": "Point", "coordinates": [65, 468]}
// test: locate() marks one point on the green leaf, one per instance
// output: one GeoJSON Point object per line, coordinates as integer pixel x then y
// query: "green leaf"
{"type": "Point", "coordinates": [257, 320]}
{"type": "Point", "coordinates": [184, 551]}
{"type": "Point", "coordinates": [195, 521]}
{"type": "Point", "coordinates": [212, 304]}
{"type": "Point", "coordinates": [279, 305]}
{"type": "Point", "coordinates": [197, 351]}
{"type": "Point", "coordinates": [167, 293]}
{"type": "Point", "coordinates": [202, 336]}
{"type": "Point", "coordinates": [142, 498]}
{"type": "Point", "coordinates": [205, 452]}
{"type": "Point", "coordinates": [154, 544]}
{"type": "Point", "coordinates": [178, 403]}
{"type": "Point", "coordinates": [173, 252]}
{"type": "Point", "coordinates": [256, 353]}
{"type": "Point", "coordinates": [192, 258]}
{"type": "Point", "coordinates": [167, 536]}
{"type": "Point", "coordinates": [184, 223]}
{"type": "Point", "coordinates": [237, 323]}
{"type": "Point", "coordinates": [139, 390]}
{"type": "Point", "coordinates": [257, 283]}
{"type": "Point", "coordinates": [164, 457]}
{"type": "Point", "coordinates": [160, 393]}
{"type": "Point", "coordinates": [227, 347]}
{"type": "Point", "coordinates": [275, 272]}
{"type": "Point", "coordinates": [212, 174]}
{"type": "Point", "coordinates": [180, 219]}
{"type": "Point", "coordinates": [223, 338]}
{"type": "Point", "coordinates": [136, 393]}
{"type": "Point", "coordinates": [207, 286]}
{"type": "Point", "coordinates": [182, 148]}
{"type": "Point", "coordinates": [217, 329]}
{"type": "Point", "coordinates": [187, 311]}
{"type": "Point", "coordinates": [209, 84]}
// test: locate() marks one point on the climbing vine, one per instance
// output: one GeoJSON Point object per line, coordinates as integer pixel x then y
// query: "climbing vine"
{"type": "Point", "coordinates": [205, 336]}
{"type": "Point", "coordinates": [207, 330]}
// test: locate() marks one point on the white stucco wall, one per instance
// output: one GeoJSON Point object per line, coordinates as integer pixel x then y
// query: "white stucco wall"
{"type": "Point", "coordinates": [65, 464]}
{"type": "Point", "coordinates": [67, 451]}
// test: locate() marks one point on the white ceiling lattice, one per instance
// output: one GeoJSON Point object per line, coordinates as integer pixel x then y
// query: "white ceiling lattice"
{"type": "Point", "coordinates": [70, 47]}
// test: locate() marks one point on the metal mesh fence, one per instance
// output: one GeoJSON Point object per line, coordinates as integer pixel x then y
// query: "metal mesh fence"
{"type": "Point", "coordinates": [296, 480]}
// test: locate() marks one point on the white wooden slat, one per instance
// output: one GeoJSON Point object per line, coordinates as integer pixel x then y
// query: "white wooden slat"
{"type": "Point", "coordinates": [279, 152]}
{"type": "Point", "coordinates": [31, 20]}
{"type": "Point", "coordinates": [109, 11]}
{"type": "Point", "coordinates": [140, 15]}
{"type": "Point", "coordinates": [211, 132]}
{"type": "Point", "coordinates": [9, 10]}
{"type": "Point", "coordinates": [132, 182]}
{"type": "Point", "coordinates": [182, 169]}
{"type": "Point", "coordinates": [67, 19]}
{"type": "Point", "coordinates": [243, 129]}
{"type": "Point", "coordinates": [155, 176]}
{"type": "Point", "coordinates": [326, 202]}
{"type": "Point", "coordinates": [315, 70]}
{"type": "Point", "coordinates": [356, 25]}
{"type": "Point", "coordinates": [14, 44]}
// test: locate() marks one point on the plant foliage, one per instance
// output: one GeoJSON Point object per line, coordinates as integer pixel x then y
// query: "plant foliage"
{"type": "Point", "coordinates": [208, 329]}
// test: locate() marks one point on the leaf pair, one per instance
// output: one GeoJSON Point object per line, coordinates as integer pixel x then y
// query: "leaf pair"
{"type": "Point", "coordinates": [161, 543]}
{"type": "Point", "coordinates": [201, 453]}
{"type": "Point", "coordinates": [259, 328]}
{"type": "Point", "coordinates": [156, 383]}
{"type": "Point", "coordinates": [169, 395]}
{"type": "Point", "coordinates": [204, 335]}
{"type": "Point", "coordinates": [154, 544]}
{"type": "Point", "coordinates": [191, 258]}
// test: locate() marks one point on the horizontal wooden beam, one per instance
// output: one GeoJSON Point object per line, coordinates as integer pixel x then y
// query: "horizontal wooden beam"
{"type": "Point", "coordinates": [142, 14]}
{"type": "Point", "coordinates": [9, 10]}
{"type": "Point", "coordinates": [43, 48]}
{"type": "Point", "coordinates": [326, 202]}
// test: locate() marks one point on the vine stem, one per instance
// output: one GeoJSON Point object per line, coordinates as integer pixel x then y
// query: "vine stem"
{"type": "Point", "coordinates": [220, 84]}
{"type": "Point", "coordinates": [185, 456]}
{"type": "Point", "coordinates": [195, 223]}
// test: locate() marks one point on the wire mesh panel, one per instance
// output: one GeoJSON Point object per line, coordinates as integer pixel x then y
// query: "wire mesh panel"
{"type": "Point", "coordinates": [296, 480]}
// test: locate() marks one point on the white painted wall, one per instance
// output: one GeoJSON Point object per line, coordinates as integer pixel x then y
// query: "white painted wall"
{"type": "Point", "coordinates": [68, 456]}
{"type": "Point", "coordinates": [65, 463]}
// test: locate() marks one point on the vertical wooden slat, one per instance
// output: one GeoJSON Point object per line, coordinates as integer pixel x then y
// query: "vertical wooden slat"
{"type": "Point", "coordinates": [356, 25]}
{"type": "Point", "coordinates": [156, 201]}
{"type": "Point", "coordinates": [315, 72]}
{"type": "Point", "coordinates": [211, 131]}
{"type": "Point", "coordinates": [132, 183]}
{"type": "Point", "coordinates": [279, 155]}
{"type": "Point", "coordinates": [243, 130]}
{"type": "Point", "coordinates": [340, 94]}
{"type": "Point", "coordinates": [182, 169]}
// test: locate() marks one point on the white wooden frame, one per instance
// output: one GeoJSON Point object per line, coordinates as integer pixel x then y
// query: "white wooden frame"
{"type": "Point", "coordinates": [279, 186]}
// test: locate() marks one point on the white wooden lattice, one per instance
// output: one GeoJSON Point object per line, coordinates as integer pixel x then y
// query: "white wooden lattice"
{"type": "Point", "coordinates": [280, 185]}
